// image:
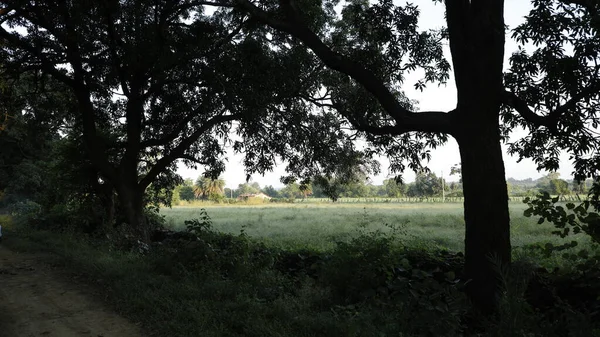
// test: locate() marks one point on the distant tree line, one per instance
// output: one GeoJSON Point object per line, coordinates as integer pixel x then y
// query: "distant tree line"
{"type": "Point", "coordinates": [426, 185]}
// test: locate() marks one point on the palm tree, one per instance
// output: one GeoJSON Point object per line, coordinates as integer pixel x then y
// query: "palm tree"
{"type": "Point", "coordinates": [306, 190]}
{"type": "Point", "coordinates": [207, 188]}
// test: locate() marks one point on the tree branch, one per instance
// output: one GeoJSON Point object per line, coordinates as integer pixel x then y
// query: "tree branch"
{"type": "Point", "coordinates": [96, 145]}
{"type": "Point", "coordinates": [428, 121]}
{"type": "Point", "coordinates": [113, 44]}
{"type": "Point", "coordinates": [193, 159]}
{"type": "Point", "coordinates": [180, 149]}
{"type": "Point", "coordinates": [293, 25]}
{"type": "Point", "coordinates": [171, 136]}
{"type": "Point", "coordinates": [551, 119]}
{"type": "Point", "coordinates": [591, 6]}
{"type": "Point", "coordinates": [77, 83]}
{"type": "Point", "coordinates": [46, 65]}
{"type": "Point", "coordinates": [154, 87]}
{"type": "Point", "coordinates": [215, 3]}
{"type": "Point", "coordinates": [523, 109]}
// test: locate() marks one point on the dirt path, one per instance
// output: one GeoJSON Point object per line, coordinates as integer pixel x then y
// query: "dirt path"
{"type": "Point", "coordinates": [36, 300]}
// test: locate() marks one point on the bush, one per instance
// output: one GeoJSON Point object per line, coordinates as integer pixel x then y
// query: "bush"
{"type": "Point", "coordinates": [25, 213]}
{"type": "Point", "coordinates": [154, 219]}
{"type": "Point", "coordinates": [6, 221]}
{"type": "Point", "coordinates": [360, 267]}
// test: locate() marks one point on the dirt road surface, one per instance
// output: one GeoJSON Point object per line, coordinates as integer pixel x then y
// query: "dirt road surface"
{"type": "Point", "coordinates": [38, 300]}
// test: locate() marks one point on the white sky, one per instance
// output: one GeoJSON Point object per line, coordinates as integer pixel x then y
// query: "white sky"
{"type": "Point", "coordinates": [433, 98]}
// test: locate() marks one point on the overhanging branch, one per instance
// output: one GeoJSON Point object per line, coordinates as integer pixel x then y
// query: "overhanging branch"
{"type": "Point", "coordinates": [294, 25]}
{"type": "Point", "coordinates": [113, 44]}
{"type": "Point", "coordinates": [551, 119]}
{"type": "Point", "coordinates": [590, 5]}
{"type": "Point", "coordinates": [159, 83]}
{"type": "Point", "coordinates": [215, 3]}
{"type": "Point", "coordinates": [171, 136]}
{"type": "Point", "coordinates": [46, 64]}
{"type": "Point", "coordinates": [426, 121]}
{"type": "Point", "coordinates": [180, 149]}
{"type": "Point", "coordinates": [193, 159]}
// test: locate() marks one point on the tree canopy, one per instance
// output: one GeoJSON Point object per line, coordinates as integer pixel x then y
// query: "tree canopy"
{"type": "Point", "coordinates": [154, 82]}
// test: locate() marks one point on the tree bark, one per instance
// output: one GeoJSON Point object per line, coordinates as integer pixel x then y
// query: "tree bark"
{"type": "Point", "coordinates": [487, 234]}
{"type": "Point", "coordinates": [107, 199]}
{"type": "Point", "coordinates": [132, 203]}
{"type": "Point", "coordinates": [476, 30]}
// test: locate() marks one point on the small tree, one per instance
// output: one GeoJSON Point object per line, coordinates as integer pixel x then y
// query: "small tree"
{"type": "Point", "coordinates": [209, 189]}
{"type": "Point", "coordinates": [426, 184]}
{"type": "Point", "coordinates": [246, 188]}
{"type": "Point", "coordinates": [186, 193]}
{"type": "Point", "coordinates": [176, 197]}
{"type": "Point", "coordinates": [271, 191]}
{"type": "Point", "coordinates": [306, 190]}
{"type": "Point", "coordinates": [559, 187]}
{"type": "Point", "coordinates": [393, 188]}
{"type": "Point", "coordinates": [291, 191]}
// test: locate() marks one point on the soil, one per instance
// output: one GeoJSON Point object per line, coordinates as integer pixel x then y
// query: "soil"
{"type": "Point", "coordinates": [37, 299]}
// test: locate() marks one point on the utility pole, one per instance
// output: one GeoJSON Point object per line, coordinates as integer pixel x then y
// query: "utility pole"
{"type": "Point", "coordinates": [443, 188]}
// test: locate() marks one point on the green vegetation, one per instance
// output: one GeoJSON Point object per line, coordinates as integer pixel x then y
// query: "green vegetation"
{"type": "Point", "coordinates": [319, 271]}
{"type": "Point", "coordinates": [426, 188]}
{"type": "Point", "coordinates": [320, 226]}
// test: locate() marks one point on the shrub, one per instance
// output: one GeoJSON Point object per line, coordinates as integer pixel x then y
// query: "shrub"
{"type": "Point", "coordinates": [25, 213]}
{"type": "Point", "coordinates": [6, 221]}
{"type": "Point", "coordinates": [154, 219]}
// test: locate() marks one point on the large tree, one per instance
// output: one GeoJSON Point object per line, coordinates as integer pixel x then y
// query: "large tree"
{"type": "Point", "coordinates": [552, 90]}
{"type": "Point", "coordinates": [159, 81]}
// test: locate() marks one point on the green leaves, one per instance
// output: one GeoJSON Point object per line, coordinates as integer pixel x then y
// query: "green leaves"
{"type": "Point", "coordinates": [572, 219]}
{"type": "Point", "coordinates": [558, 79]}
{"type": "Point", "coordinates": [200, 225]}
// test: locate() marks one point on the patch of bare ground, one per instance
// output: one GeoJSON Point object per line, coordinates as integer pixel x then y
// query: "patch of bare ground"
{"type": "Point", "coordinates": [38, 300]}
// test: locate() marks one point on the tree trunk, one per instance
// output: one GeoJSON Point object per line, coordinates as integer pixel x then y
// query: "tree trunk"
{"type": "Point", "coordinates": [110, 212]}
{"type": "Point", "coordinates": [132, 203]}
{"type": "Point", "coordinates": [108, 206]}
{"type": "Point", "coordinates": [106, 194]}
{"type": "Point", "coordinates": [487, 237]}
{"type": "Point", "coordinates": [477, 32]}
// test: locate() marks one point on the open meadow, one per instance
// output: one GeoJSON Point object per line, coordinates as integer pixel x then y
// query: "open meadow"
{"type": "Point", "coordinates": [320, 226]}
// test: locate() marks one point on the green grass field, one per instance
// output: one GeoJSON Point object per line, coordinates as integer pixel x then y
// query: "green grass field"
{"type": "Point", "coordinates": [319, 226]}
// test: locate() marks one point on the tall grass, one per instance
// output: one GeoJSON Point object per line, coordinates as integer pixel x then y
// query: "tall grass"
{"type": "Point", "coordinates": [320, 226]}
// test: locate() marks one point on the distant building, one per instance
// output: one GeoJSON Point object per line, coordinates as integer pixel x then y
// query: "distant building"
{"type": "Point", "coordinates": [253, 195]}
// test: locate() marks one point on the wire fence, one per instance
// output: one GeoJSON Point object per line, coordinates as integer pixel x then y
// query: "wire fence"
{"type": "Point", "coordinates": [564, 198]}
